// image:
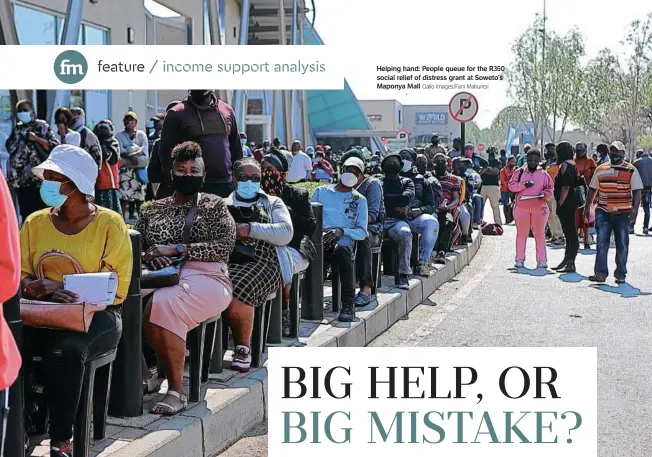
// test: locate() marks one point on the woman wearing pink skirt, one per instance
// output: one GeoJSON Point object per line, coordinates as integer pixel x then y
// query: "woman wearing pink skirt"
{"type": "Point", "coordinates": [533, 187]}
{"type": "Point", "coordinates": [204, 290]}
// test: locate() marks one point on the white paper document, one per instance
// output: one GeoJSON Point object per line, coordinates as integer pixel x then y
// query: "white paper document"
{"type": "Point", "coordinates": [93, 288]}
{"type": "Point", "coordinates": [531, 197]}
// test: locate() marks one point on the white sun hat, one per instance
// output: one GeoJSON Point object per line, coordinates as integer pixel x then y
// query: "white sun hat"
{"type": "Point", "coordinates": [75, 164]}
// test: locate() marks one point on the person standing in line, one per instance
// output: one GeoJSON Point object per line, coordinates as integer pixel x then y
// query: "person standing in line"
{"type": "Point", "coordinates": [456, 150]}
{"type": "Point", "coordinates": [133, 143]}
{"type": "Point", "coordinates": [432, 150]}
{"type": "Point", "coordinates": [108, 179]}
{"type": "Point", "coordinates": [10, 360]}
{"type": "Point", "coordinates": [617, 185]}
{"type": "Point", "coordinates": [301, 166]}
{"type": "Point", "coordinates": [522, 158]}
{"type": "Point", "coordinates": [603, 154]}
{"type": "Point", "coordinates": [556, 233]}
{"type": "Point", "coordinates": [205, 119]}
{"type": "Point", "coordinates": [88, 141]}
{"type": "Point", "coordinates": [505, 195]}
{"type": "Point", "coordinates": [154, 168]}
{"type": "Point", "coordinates": [567, 204]}
{"type": "Point", "coordinates": [63, 118]}
{"type": "Point", "coordinates": [532, 187]}
{"type": "Point", "coordinates": [585, 168]}
{"type": "Point", "coordinates": [246, 150]}
{"type": "Point", "coordinates": [28, 145]}
{"type": "Point", "coordinates": [490, 175]}
{"type": "Point", "coordinates": [644, 167]}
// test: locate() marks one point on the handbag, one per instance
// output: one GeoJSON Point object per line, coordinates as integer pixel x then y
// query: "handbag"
{"type": "Point", "coordinates": [76, 317]}
{"type": "Point", "coordinates": [170, 275]}
{"type": "Point", "coordinates": [141, 157]}
{"type": "Point", "coordinates": [581, 190]}
{"type": "Point", "coordinates": [242, 254]}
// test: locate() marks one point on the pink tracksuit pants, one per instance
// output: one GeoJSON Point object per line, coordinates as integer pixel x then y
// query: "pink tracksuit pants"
{"type": "Point", "coordinates": [531, 215]}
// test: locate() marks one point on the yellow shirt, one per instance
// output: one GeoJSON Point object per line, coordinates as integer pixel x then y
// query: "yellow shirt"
{"type": "Point", "coordinates": [104, 245]}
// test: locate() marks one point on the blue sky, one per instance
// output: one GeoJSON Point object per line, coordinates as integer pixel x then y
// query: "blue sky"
{"type": "Point", "coordinates": [418, 32]}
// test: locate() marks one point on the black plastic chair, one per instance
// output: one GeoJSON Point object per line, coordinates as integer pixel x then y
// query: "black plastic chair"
{"type": "Point", "coordinates": [262, 315]}
{"type": "Point", "coordinates": [375, 266]}
{"type": "Point", "coordinates": [389, 250]}
{"type": "Point", "coordinates": [336, 283]}
{"type": "Point", "coordinates": [94, 400]}
{"type": "Point", "coordinates": [201, 341]}
{"type": "Point", "coordinates": [295, 303]}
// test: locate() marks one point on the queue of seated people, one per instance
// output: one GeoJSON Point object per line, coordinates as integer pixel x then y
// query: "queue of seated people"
{"type": "Point", "coordinates": [237, 251]}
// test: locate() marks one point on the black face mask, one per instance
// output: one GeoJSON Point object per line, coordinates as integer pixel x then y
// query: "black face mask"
{"type": "Point", "coordinates": [616, 159]}
{"type": "Point", "coordinates": [391, 169]}
{"type": "Point", "coordinates": [421, 168]}
{"type": "Point", "coordinates": [187, 185]}
{"type": "Point", "coordinates": [440, 169]}
{"type": "Point", "coordinates": [201, 97]}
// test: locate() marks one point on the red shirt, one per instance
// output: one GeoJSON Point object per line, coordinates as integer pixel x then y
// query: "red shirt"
{"type": "Point", "coordinates": [10, 360]}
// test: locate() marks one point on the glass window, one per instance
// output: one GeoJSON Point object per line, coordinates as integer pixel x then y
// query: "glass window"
{"type": "Point", "coordinates": [5, 128]}
{"type": "Point", "coordinates": [95, 36]}
{"type": "Point", "coordinates": [34, 27]}
{"type": "Point", "coordinates": [97, 106]}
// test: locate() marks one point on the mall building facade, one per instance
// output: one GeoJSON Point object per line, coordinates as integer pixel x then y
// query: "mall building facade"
{"type": "Point", "coordinates": [324, 116]}
{"type": "Point", "coordinates": [419, 121]}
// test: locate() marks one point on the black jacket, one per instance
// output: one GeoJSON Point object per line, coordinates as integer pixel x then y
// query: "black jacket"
{"type": "Point", "coordinates": [424, 193]}
{"type": "Point", "coordinates": [303, 220]}
{"type": "Point", "coordinates": [397, 193]}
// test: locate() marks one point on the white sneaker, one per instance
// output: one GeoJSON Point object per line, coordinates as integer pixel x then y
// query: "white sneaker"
{"type": "Point", "coordinates": [519, 264]}
{"type": "Point", "coordinates": [542, 265]}
{"type": "Point", "coordinates": [241, 359]}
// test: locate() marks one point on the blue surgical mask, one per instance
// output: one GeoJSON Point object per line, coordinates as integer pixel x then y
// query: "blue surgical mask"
{"type": "Point", "coordinates": [243, 141]}
{"type": "Point", "coordinates": [25, 117]}
{"type": "Point", "coordinates": [248, 189]}
{"type": "Point", "coordinates": [51, 194]}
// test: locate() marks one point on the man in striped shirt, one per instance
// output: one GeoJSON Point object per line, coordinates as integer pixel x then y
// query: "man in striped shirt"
{"type": "Point", "coordinates": [617, 185]}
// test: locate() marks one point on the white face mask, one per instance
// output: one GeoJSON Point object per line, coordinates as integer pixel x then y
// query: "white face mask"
{"type": "Point", "coordinates": [349, 179]}
{"type": "Point", "coordinates": [407, 166]}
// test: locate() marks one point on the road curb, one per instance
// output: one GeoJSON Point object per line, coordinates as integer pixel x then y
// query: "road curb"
{"type": "Point", "coordinates": [230, 409]}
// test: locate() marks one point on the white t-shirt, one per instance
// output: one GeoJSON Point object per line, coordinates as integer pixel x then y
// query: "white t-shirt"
{"type": "Point", "coordinates": [301, 167]}
{"type": "Point", "coordinates": [72, 137]}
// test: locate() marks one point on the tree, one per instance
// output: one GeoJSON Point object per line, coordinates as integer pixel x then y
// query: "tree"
{"type": "Point", "coordinates": [549, 89]}
{"type": "Point", "coordinates": [563, 78]}
{"type": "Point", "coordinates": [636, 83]}
{"type": "Point", "coordinates": [525, 75]}
{"type": "Point", "coordinates": [512, 114]}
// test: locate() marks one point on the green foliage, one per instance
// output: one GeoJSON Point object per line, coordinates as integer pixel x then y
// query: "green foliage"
{"type": "Point", "coordinates": [309, 186]}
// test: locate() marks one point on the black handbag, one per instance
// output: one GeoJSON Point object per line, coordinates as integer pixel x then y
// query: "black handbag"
{"type": "Point", "coordinates": [242, 254]}
{"type": "Point", "coordinates": [170, 275]}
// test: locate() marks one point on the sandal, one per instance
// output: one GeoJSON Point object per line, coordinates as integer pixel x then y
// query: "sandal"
{"type": "Point", "coordinates": [165, 407]}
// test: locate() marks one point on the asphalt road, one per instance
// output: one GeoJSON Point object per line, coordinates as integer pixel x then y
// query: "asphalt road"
{"type": "Point", "coordinates": [490, 304]}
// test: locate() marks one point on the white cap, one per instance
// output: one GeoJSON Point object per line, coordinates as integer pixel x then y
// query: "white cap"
{"type": "Point", "coordinates": [75, 164]}
{"type": "Point", "coordinates": [354, 162]}
{"type": "Point", "coordinates": [618, 145]}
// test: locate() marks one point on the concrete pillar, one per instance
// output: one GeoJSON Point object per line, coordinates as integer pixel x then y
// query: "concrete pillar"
{"type": "Point", "coordinates": [9, 37]}
{"type": "Point", "coordinates": [238, 96]}
{"type": "Point", "coordinates": [216, 36]}
{"type": "Point", "coordinates": [69, 37]}
{"type": "Point", "coordinates": [286, 94]}
{"type": "Point", "coordinates": [304, 97]}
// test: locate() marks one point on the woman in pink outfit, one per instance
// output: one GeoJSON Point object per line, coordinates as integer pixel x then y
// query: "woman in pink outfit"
{"type": "Point", "coordinates": [533, 187]}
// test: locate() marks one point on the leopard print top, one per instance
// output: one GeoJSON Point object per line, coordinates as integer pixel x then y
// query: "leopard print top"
{"type": "Point", "coordinates": [213, 232]}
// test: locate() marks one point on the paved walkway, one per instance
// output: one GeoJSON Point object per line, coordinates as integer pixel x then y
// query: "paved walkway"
{"type": "Point", "coordinates": [491, 304]}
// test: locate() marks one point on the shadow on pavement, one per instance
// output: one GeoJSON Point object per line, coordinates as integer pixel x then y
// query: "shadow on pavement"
{"type": "Point", "coordinates": [537, 272]}
{"type": "Point", "coordinates": [624, 290]}
{"type": "Point", "coordinates": [573, 277]}
{"type": "Point", "coordinates": [555, 246]}
{"type": "Point", "coordinates": [587, 251]}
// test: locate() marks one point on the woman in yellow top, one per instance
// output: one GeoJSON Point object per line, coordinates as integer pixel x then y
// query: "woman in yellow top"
{"type": "Point", "coordinates": [98, 239]}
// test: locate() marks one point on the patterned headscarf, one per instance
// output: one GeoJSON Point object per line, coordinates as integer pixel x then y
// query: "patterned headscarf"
{"type": "Point", "coordinates": [273, 179]}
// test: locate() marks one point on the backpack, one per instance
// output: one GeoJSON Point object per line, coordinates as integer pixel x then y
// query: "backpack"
{"type": "Point", "coordinates": [492, 229]}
